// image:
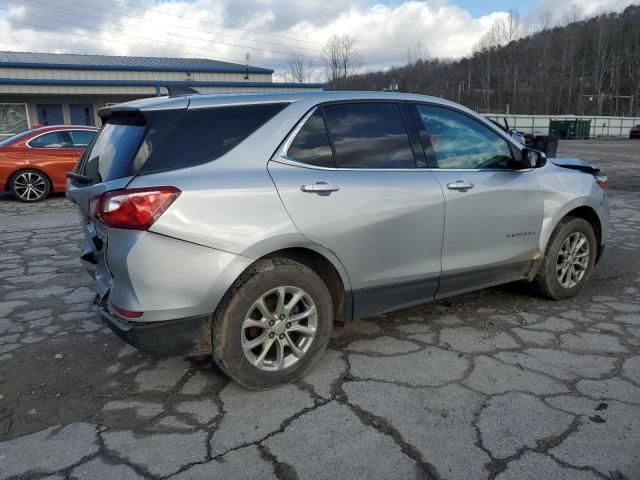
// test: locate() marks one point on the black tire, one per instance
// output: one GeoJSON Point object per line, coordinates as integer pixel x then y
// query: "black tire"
{"type": "Point", "coordinates": [547, 278]}
{"type": "Point", "coordinates": [41, 186]}
{"type": "Point", "coordinates": [227, 328]}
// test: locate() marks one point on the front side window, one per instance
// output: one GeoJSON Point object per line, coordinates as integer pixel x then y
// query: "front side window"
{"type": "Point", "coordinates": [311, 144]}
{"type": "Point", "coordinates": [459, 142]}
{"type": "Point", "coordinates": [369, 135]}
{"type": "Point", "coordinates": [52, 140]}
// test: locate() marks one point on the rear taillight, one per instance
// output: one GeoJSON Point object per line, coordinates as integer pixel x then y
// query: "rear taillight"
{"type": "Point", "coordinates": [125, 313]}
{"type": "Point", "coordinates": [134, 208]}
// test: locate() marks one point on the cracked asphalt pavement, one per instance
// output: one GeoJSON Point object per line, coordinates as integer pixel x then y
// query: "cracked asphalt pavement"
{"type": "Point", "coordinates": [493, 384]}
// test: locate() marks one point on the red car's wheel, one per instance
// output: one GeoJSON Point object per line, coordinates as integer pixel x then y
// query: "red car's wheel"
{"type": "Point", "coordinates": [30, 186]}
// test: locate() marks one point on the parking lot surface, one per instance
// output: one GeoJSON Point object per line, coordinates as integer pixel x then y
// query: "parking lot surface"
{"type": "Point", "coordinates": [495, 384]}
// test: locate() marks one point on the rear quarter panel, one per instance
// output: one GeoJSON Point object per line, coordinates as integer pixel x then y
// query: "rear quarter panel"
{"type": "Point", "coordinates": [230, 204]}
{"type": "Point", "coordinates": [55, 163]}
{"type": "Point", "coordinates": [10, 161]}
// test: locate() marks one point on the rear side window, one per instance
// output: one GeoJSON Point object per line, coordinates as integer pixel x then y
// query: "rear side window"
{"type": "Point", "coordinates": [82, 138]}
{"type": "Point", "coordinates": [204, 134]}
{"type": "Point", "coordinates": [111, 153]}
{"type": "Point", "coordinates": [311, 144]}
{"type": "Point", "coordinates": [52, 140]}
{"type": "Point", "coordinates": [369, 135]}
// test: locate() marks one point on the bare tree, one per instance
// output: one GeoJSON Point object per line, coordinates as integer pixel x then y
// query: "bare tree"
{"type": "Point", "coordinates": [342, 60]}
{"type": "Point", "coordinates": [545, 20]}
{"type": "Point", "coordinates": [417, 54]}
{"type": "Point", "coordinates": [507, 29]}
{"type": "Point", "coordinates": [300, 67]}
{"type": "Point", "coordinates": [572, 15]}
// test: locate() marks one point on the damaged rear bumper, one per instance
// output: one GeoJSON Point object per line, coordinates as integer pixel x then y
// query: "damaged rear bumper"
{"type": "Point", "coordinates": [185, 337]}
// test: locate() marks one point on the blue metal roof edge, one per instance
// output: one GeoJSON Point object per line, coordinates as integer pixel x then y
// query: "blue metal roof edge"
{"type": "Point", "coordinates": [65, 66]}
{"type": "Point", "coordinates": [152, 83]}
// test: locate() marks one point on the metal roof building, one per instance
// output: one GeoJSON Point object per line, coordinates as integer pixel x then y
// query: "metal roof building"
{"type": "Point", "coordinates": [52, 88]}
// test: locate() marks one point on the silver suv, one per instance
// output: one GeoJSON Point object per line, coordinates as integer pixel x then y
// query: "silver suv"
{"type": "Point", "coordinates": [244, 226]}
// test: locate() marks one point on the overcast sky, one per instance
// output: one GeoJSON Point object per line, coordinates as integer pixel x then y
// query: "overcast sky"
{"type": "Point", "coordinates": [268, 29]}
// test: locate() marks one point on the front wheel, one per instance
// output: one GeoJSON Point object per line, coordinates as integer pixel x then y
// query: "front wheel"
{"type": "Point", "coordinates": [30, 186]}
{"type": "Point", "coordinates": [569, 259]}
{"type": "Point", "coordinates": [273, 324]}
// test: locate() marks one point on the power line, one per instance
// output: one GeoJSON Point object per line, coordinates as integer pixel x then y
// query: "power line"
{"type": "Point", "coordinates": [266, 62]}
{"type": "Point", "coordinates": [172, 52]}
{"type": "Point", "coordinates": [225, 27]}
{"type": "Point", "coordinates": [85, 15]}
{"type": "Point", "coordinates": [120, 24]}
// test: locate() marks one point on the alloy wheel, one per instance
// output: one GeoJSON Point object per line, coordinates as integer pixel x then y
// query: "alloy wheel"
{"type": "Point", "coordinates": [573, 260]}
{"type": "Point", "coordinates": [30, 186]}
{"type": "Point", "coordinates": [279, 328]}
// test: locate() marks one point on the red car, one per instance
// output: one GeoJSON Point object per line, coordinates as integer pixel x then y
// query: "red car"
{"type": "Point", "coordinates": [34, 163]}
{"type": "Point", "coordinates": [635, 132]}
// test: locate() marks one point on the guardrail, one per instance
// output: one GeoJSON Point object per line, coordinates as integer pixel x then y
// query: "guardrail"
{"type": "Point", "coordinates": [539, 124]}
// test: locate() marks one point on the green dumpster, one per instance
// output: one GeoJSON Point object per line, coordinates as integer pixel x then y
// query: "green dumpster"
{"type": "Point", "coordinates": [570, 129]}
{"type": "Point", "coordinates": [583, 128]}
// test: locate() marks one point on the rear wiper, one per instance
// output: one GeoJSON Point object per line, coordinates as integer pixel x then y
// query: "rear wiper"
{"type": "Point", "coordinates": [79, 178]}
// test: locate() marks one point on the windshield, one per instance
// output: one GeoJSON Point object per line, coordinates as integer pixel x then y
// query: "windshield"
{"type": "Point", "coordinates": [15, 137]}
{"type": "Point", "coordinates": [110, 155]}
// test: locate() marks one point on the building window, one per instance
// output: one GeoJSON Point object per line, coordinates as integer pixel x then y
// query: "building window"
{"type": "Point", "coordinates": [13, 118]}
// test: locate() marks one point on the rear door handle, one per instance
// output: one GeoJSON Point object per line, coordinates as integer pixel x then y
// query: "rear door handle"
{"type": "Point", "coordinates": [459, 185]}
{"type": "Point", "coordinates": [320, 187]}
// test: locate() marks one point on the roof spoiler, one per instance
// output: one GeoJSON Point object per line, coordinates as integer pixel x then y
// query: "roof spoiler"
{"type": "Point", "coordinates": [177, 90]}
{"type": "Point", "coordinates": [126, 114]}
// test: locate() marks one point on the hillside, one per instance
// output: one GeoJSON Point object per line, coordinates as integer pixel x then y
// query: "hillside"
{"type": "Point", "coordinates": [587, 67]}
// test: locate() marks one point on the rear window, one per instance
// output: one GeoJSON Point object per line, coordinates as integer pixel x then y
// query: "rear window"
{"type": "Point", "coordinates": [171, 139]}
{"type": "Point", "coordinates": [110, 155]}
{"type": "Point", "coordinates": [202, 135]}
{"type": "Point", "coordinates": [14, 138]}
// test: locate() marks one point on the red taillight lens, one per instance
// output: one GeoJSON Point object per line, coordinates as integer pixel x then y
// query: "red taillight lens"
{"type": "Point", "coordinates": [134, 208]}
{"type": "Point", "coordinates": [126, 313]}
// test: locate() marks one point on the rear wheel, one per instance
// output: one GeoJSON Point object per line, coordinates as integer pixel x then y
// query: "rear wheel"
{"type": "Point", "coordinates": [273, 324]}
{"type": "Point", "coordinates": [30, 186]}
{"type": "Point", "coordinates": [569, 259]}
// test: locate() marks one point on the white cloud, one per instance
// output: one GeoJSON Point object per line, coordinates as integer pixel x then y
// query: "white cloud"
{"type": "Point", "coordinates": [269, 29]}
{"type": "Point", "coordinates": [587, 8]}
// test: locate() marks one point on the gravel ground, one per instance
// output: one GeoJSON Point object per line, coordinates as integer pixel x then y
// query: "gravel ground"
{"type": "Point", "coordinates": [493, 384]}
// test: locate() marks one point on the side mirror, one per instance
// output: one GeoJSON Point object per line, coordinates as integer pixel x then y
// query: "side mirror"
{"type": "Point", "coordinates": [533, 158]}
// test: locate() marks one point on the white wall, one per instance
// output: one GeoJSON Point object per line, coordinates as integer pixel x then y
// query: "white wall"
{"type": "Point", "coordinates": [62, 74]}
{"type": "Point", "coordinates": [128, 91]}
{"type": "Point", "coordinates": [539, 124]}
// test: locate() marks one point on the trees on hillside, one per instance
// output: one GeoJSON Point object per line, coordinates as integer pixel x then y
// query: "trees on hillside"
{"type": "Point", "coordinates": [342, 60]}
{"type": "Point", "coordinates": [585, 67]}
